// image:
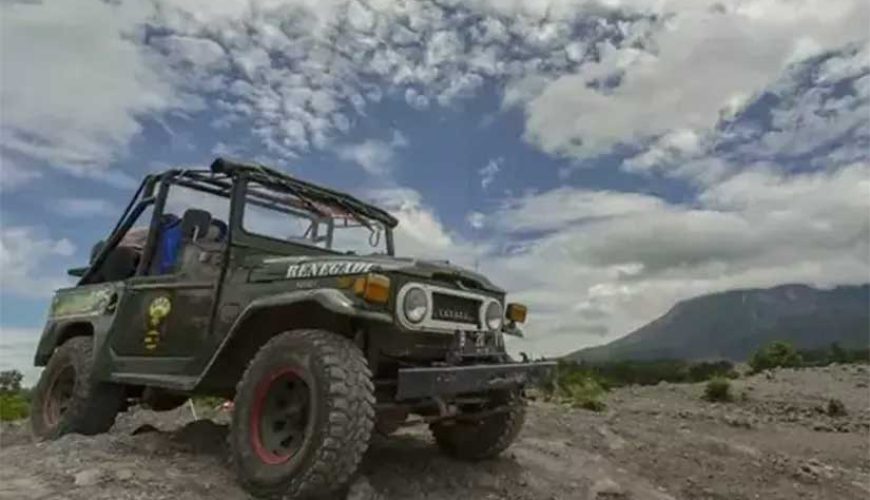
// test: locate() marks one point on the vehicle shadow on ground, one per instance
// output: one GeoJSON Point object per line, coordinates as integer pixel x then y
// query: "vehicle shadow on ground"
{"type": "Point", "coordinates": [407, 465]}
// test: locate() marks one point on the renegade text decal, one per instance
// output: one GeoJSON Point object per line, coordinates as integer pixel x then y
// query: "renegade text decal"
{"type": "Point", "coordinates": [331, 268]}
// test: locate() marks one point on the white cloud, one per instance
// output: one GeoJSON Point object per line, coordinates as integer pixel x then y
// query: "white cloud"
{"type": "Point", "coordinates": [489, 171]}
{"type": "Point", "coordinates": [32, 263]}
{"type": "Point", "coordinates": [821, 112]}
{"type": "Point", "coordinates": [75, 82]}
{"type": "Point", "coordinates": [421, 233]}
{"type": "Point", "coordinates": [758, 228]}
{"type": "Point", "coordinates": [375, 156]}
{"type": "Point", "coordinates": [666, 150]}
{"type": "Point", "coordinates": [610, 262]}
{"type": "Point", "coordinates": [700, 59]}
{"type": "Point", "coordinates": [300, 73]}
{"type": "Point", "coordinates": [84, 208]}
{"type": "Point", "coordinates": [17, 347]}
{"type": "Point", "coordinates": [13, 174]}
{"type": "Point", "coordinates": [476, 219]}
{"type": "Point", "coordinates": [562, 206]}
{"type": "Point", "coordinates": [283, 59]}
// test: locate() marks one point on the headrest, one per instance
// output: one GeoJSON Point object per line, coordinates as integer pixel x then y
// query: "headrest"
{"type": "Point", "coordinates": [194, 224]}
{"type": "Point", "coordinates": [217, 230]}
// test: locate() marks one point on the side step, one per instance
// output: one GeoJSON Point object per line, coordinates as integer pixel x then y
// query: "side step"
{"type": "Point", "coordinates": [175, 382]}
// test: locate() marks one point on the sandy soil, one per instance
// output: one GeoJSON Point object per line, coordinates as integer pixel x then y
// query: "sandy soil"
{"type": "Point", "coordinates": [662, 442]}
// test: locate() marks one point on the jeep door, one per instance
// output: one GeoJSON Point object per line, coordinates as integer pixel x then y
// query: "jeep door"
{"type": "Point", "coordinates": [165, 313]}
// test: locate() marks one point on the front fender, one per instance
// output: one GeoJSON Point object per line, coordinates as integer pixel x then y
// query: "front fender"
{"type": "Point", "coordinates": [304, 309]}
{"type": "Point", "coordinates": [329, 298]}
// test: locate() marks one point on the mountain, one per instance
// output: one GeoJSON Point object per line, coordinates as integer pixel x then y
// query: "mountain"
{"type": "Point", "coordinates": [732, 325]}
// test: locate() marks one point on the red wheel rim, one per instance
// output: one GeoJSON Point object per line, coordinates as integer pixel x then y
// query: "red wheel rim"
{"type": "Point", "coordinates": [279, 416]}
{"type": "Point", "coordinates": [59, 395]}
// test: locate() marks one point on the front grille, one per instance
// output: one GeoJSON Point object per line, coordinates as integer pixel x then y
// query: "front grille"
{"type": "Point", "coordinates": [455, 309]}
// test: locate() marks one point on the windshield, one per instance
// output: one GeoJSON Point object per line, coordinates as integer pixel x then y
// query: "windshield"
{"type": "Point", "coordinates": [308, 221]}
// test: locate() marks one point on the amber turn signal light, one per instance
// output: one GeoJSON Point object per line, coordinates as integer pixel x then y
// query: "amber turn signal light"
{"type": "Point", "coordinates": [373, 288]}
{"type": "Point", "coordinates": [516, 312]}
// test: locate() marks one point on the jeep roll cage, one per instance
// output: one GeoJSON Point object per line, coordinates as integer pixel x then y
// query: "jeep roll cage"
{"type": "Point", "coordinates": [229, 179]}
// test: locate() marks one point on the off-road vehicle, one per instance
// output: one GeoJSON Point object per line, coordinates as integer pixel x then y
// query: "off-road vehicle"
{"type": "Point", "coordinates": [245, 283]}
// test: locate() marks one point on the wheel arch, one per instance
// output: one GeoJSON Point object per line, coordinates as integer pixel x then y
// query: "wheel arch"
{"type": "Point", "coordinates": [263, 319]}
{"type": "Point", "coordinates": [57, 333]}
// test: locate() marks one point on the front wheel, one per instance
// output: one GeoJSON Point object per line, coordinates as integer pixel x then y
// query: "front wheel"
{"type": "Point", "coordinates": [303, 415]}
{"type": "Point", "coordinates": [66, 400]}
{"type": "Point", "coordinates": [484, 437]}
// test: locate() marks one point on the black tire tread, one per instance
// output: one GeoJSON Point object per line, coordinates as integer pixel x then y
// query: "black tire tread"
{"type": "Point", "coordinates": [94, 406]}
{"type": "Point", "coordinates": [349, 419]}
{"type": "Point", "coordinates": [484, 439]}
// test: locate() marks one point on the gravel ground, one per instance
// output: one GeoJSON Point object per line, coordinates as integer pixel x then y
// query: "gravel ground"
{"type": "Point", "coordinates": [663, 442]}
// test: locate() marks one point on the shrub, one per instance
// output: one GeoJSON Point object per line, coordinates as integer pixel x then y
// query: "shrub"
{"type": "Point", "coordinates": [775, 355]}
{"type": "Point", "coordinates": [13, 407]}
{"type": "Point", "coordinates": [834, 354]}
{"type": "Point", "coordinates": [835, 408]}
{"type": "Point", "coordinates": [718, 389]}
{"type": "Point", "coordinates": [580, 389]}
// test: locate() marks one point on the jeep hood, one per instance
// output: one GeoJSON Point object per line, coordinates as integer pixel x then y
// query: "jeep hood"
{"type": "Point", "coordinates": [274, 267]}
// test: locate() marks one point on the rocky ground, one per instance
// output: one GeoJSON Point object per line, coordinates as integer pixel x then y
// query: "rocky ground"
{"type": "Point", "coordinates": [776, 441]}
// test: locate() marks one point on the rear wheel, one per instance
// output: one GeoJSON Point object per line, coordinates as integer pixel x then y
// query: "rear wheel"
{"type": "Point", "coordinates": [484, 437]}
{"type": "Point", "coordinates": [66, 400]}
{"type": "Point", "coordinates": [302, 417]}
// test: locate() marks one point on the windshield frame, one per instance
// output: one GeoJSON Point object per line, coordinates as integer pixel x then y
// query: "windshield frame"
{"type": "Point", "coordinates": [241, 200]}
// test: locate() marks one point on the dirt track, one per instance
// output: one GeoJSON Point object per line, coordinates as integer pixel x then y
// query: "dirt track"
{"type": "Point", "coordinates": [652, 443]}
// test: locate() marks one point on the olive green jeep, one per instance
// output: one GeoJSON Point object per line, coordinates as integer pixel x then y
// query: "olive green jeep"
{"type": "Point", "coordinates": [245, 283]}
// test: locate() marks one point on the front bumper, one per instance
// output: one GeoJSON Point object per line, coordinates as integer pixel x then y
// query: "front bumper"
{"type": "Point", "coordinates": [419, 383]}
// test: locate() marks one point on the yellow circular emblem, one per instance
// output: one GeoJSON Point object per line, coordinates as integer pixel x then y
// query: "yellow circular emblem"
{"type": "Point", "coordinates": [159, 308]}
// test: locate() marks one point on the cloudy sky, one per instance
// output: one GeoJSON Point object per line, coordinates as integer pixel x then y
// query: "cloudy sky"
{"type": "Point", "coordinates": [599, 159]}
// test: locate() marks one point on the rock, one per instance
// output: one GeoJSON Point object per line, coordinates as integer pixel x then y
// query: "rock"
{"type": "Point", "coordinates": [739, 422]}
{"type": "Point", "coordinates": [612, 440]}
{"type": "Point", "coordinates": [835, 408]}
{"type": "Point", "coordinates": [362, 489]}
{"type": "Point", "coordinates": [812, 470]}
{"type": "Point", "coordinates": [822, 427]}
{"type": "Point", "coordinates": [606, 489]}
{"type": "Point", "coordinates": [202, 436]}
{"type": "Point", "coordinates": [124, 474]}
{"type": "Point", "coordinates": [88, 477]}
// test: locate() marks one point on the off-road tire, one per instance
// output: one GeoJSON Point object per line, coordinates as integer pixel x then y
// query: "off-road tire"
{"type": "Point", "coordinates": [91, 408]}
{"type": "Point", "coordinates": [339, 423]}
{"type": "Point", "coordinates": [484, 438]}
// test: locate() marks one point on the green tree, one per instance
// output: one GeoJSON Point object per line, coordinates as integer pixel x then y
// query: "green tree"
{"type": "Point", "coordinates": [775, 355]}
{"type": "Point", "coordinates": [13, 400]}
{"type": "Point", "coordinates": [838, 354]}
{"type": "Point", "coordinates": [10, 381]}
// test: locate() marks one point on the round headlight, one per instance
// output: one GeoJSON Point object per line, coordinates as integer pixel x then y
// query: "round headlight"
{"type": "Point", "coordinates": [415, 305]}
{"type": "Point", "coordinates": [493, 316]}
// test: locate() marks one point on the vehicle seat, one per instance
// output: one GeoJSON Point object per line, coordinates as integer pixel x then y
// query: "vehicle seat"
{"type": "Point", "coordinates": [217, 231]}
{"type": "Point", "coordinates": [174, 234]}
{"type": "Point", "coordinates": [168, 244]}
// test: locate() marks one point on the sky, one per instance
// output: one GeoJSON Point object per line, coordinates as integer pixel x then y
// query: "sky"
{"type": "Point", "coordinates": [601, 160]}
